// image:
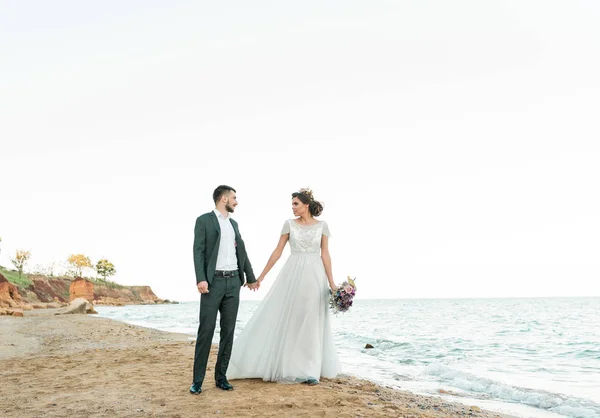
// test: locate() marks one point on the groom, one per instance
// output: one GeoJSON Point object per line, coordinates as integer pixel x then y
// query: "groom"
{"type": "Point", "coordinates": [220, 261]}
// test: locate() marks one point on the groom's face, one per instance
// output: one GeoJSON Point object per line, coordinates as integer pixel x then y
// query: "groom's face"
{"type": "Point", "coordinates": [230, 202]}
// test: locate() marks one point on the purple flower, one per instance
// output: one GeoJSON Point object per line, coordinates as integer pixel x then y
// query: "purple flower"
{"type": "Point", "coordinates": [341, 300]}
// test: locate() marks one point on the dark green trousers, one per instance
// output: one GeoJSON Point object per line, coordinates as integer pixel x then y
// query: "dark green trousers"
{"type": "Point", "coordinates": [224, 297]}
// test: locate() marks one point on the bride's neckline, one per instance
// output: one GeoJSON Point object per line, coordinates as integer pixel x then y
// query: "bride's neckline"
{"type": "Point", "coordinates": [299, 224]}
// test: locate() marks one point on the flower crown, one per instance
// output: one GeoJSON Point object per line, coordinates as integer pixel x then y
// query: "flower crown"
{"type": "Point", "coordinates": [308, 193]}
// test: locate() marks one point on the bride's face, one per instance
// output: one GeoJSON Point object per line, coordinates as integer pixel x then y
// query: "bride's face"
{"type": "Point", "coordinates": [298, 207]}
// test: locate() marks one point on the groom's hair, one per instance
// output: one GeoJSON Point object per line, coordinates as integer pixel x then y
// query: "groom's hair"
{"type": "Point", "coordinates": [220, 191]}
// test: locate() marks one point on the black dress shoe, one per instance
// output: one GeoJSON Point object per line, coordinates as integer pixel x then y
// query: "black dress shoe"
{"type": "Point", "coordinates": [196, 388]}
{"type": "Point", "coordinates": [224, 384]}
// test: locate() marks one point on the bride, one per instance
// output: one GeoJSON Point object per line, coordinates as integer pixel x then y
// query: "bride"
{"type": "Point", "coordinates": [289, 339]}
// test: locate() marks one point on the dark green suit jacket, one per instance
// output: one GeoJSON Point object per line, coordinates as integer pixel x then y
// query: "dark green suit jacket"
{"type": "Point", "coordinates": [207, 236]}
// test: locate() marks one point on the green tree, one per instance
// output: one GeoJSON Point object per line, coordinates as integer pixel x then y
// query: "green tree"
{"type": "Point", "coordinates": [105, 268]}
{"type": "Point", "coordinates": [78, 262]}
{"type": "Point", "coordinates": [20, 260]}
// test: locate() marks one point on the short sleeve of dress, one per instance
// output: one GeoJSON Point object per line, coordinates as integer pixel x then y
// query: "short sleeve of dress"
{"type": "Point", "coordinates": [286, 228]}
{"type": "Point", "coordinates": [326, 230]}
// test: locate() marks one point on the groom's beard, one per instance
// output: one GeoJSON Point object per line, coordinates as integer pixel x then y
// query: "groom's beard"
{"type": "Point", "coordinates": [228, 208]}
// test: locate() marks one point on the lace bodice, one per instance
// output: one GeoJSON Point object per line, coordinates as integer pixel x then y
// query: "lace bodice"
{"type": "Point", "coordinates": [305, 238]}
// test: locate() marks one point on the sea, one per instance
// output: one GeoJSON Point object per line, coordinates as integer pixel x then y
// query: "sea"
{"type": "Point", "coordinates": [537, 357]}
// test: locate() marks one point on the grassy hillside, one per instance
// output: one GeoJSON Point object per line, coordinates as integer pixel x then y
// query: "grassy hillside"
{"type": "Point", "coordinates": [35, 288]}
{"type": "Point", "coordinates": [13, 277]}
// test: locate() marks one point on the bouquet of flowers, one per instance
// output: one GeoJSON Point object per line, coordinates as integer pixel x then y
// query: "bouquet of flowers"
{"type": "Point", "coordinates": [341, 299]}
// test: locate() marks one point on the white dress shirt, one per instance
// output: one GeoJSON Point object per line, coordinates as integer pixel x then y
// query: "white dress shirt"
{"type": "Point", "coordinates": [226, 259]}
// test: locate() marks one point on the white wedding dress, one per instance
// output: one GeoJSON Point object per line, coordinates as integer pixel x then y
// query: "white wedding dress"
{"type": "Point", "coordinates": [289, 338]}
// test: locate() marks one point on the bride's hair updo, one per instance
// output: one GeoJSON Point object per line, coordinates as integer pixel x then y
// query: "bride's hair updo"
{"type": "Point", "coordinates": [306, 197]}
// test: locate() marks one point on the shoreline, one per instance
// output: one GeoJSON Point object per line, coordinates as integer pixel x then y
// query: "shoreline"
{"type": "Point", "coordinates": [80, 364]}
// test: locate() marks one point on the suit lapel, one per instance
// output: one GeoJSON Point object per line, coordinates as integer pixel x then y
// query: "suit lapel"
{"type": "Point", "coordinates": [238, 238]}
{"type": "Point", "coordinates": [216, 223]}
{"type": "Point", "coordinates": [235, 231]}
{"type": "Point", "coordinates": [218, 228]}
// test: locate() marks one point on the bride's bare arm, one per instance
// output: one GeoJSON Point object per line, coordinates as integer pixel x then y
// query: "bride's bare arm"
{"type": "Point", "coordinates": [326, 257]}
{"type": "Point", "coordinates": [274, 256]}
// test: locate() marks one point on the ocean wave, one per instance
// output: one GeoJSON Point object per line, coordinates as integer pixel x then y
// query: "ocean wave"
{"type": "Point", "coordinates": [595, 354]}
{"type": "Point", "coordinates": [490, 389]}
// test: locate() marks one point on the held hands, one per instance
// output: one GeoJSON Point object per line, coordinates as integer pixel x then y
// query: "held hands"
{"type": "Point", "coordinates": [203, 287]}
{"type": "Point", "coordinates": [254, 286]}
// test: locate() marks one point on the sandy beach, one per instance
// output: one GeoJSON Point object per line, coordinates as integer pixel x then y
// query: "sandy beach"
{"type": "Point", "coordinates": [83, 365]}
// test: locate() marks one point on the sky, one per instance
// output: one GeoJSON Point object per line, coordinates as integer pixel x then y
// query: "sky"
{"type": "Point", "coordinates": [455, 145]}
